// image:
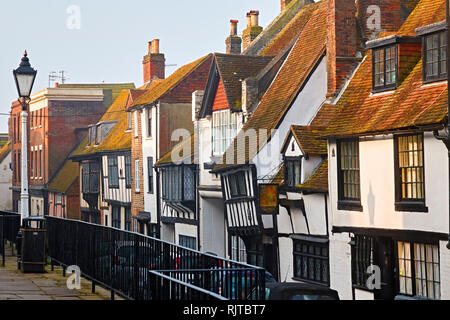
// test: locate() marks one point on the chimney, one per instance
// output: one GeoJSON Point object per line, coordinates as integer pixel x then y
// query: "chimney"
{"type": "Point", "coordinates": [234, 42]}
{"type": "Point", "coordinates": [154, 62]}
{"type": "Point", "coordinates": [249, 96]}
{"type": "Point", "coordinates": [253, 29]}
{"type": "Point", "coordinates": [284, 4]}
{"type": "Point", "coordinates": [341, 43]}
{"type": "Point", "coordinates": [380, 16]}
{"type": "Point", "coordinates": [197, 100]}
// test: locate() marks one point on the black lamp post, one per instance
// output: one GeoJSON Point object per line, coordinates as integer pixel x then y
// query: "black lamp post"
{"type": "Point", "coordinates": [24, 77]}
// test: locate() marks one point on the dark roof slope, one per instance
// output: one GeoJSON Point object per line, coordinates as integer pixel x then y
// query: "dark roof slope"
{"type": "Point", "coordinates": [308, 138]}
{"type": "Point", "coordinates": [307, 52]}
{"type": "Point", "coordinates": [233, 69]}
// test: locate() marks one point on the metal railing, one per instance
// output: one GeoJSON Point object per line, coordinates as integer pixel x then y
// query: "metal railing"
{"type": "Point", "coordinates": [9, 228]}
{"type": "Point", "coordinates": [139, 267]}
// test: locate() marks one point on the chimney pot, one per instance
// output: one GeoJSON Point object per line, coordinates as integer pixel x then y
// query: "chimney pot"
{"type": "Point", "coordinates": [249, 20]}
{"type": "Point", "coordinates": [155, 46]}
{"type": "Point", "coordinates": [234, 27]}
{"type": "Point", "coordinates": [254, 18]}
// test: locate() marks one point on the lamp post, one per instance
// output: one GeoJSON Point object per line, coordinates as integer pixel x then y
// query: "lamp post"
{"type": "Point", "coordinates": [24, 77]}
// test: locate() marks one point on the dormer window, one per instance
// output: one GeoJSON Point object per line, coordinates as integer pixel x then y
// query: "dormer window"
{"type": "Point", "coordinates": [292, 171]}
{"type": "Point", "coordinates": [385, 68]}
{"type": "Point", "coordinates": [435, 57]}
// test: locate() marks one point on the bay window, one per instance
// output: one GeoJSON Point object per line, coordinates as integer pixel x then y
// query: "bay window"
{"type": "Point", "coordinates": [90, 177]}
{"type": "Point", "coordinates": [178, 183]}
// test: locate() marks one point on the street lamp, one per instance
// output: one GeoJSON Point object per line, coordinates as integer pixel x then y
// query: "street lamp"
{"type": "Point", "coordinates": [24, 76]}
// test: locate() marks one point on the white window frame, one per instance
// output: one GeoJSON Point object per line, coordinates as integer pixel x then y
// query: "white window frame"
{"type": "Point", "coordinates": [224, 130]}
{"type": "Point", "coordinates": [136, 127]}
{"type": "Point", "coordinates": [137, 176]}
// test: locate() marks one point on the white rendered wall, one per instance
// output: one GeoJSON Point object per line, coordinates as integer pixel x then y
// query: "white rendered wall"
{"type": "Point", "coordinates": [6, 184]}
{"type": "Point", "coordinates": [213, 236]}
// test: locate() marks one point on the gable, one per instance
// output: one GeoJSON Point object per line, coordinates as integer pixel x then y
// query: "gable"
{"type": "Point", "coordinates": [220, 100]}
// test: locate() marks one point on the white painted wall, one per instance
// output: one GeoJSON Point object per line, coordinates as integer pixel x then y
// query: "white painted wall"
{"type": "Point", "coordinates": [302, 112]}
{"type": "Point", "coordinates": [213, 237]}
{"type": "Point", "coordinates": [341, 265]}
{"type": "Point", "coordinates": [6, 184]}
{"type": "Point", "coordinates": [286, 248]}
{"type": "Point", "coordinates": [378, 188]}
{"type": "Point", "coordinates": [445, 270]}
{"type": "Point", "coordinates": [149, 148]}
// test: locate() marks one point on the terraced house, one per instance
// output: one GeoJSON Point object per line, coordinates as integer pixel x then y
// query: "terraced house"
{"type": "Point", "coordinates": [156, 115]}
{"type": "Point", "coordinates": [388, 166]}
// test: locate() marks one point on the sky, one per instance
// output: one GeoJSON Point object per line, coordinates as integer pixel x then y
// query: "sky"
{"type": "Point", "coordinates": [96, 41]}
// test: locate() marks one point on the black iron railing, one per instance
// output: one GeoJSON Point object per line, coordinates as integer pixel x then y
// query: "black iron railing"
{"type": "Point", "coordinates": [9, 228]}
{"type": "Point", "coordinates": [144, 268]}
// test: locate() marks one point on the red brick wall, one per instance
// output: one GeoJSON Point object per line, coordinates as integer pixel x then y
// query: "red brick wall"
{"type": "Point", "coordinates": [137, 199]}
{"type": "Point", "coordinates": [341, 42]}
{"type": "Point", "coordinates": [154, 66]}
{"type": "Point", "coordinates": [73, 201]}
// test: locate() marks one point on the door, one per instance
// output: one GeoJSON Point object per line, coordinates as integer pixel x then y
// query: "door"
{"type": "Point", "coordinates": [385, 259]}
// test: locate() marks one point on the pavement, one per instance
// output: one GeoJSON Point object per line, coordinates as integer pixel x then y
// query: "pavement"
{"type": "Point", "coordinates": [51, 285]}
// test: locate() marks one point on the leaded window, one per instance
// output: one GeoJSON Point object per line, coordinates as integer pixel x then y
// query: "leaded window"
{"type": "Point", "coordinates": [418, 270]}
{"type": "Point", "coordinates": [349, 175]}
{"type": "Point", "coordinates": [385, 67]}
{"type": "Point", "coordinates": [293, 171]}
{"type": "Point", "coordinates": [188, 242]}
{"type": "Point", "coordinates": [311, 261]}
{"type": "Point", "coordinates": [116, 217]}
{"type": "Point", "coordinates": [113, 172]}
{"type": "Point", "coordinates": [435, 56]}
{"type": "Point", "coordinates": [90, 177]}
{"type": "Point", "coordinates": [362, 259]}
{"type": "Point", "coordinates": [128, 174]}
{"type": "Point", "coordinates": [238, 184]}
{"type": "Point", "coordinates": [178, 183]}
{"type": "Point", "coordinates": [410, 168]}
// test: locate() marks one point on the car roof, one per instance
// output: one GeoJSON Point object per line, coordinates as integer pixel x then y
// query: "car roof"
{"type": "Point", "coordinates": [283, 286]}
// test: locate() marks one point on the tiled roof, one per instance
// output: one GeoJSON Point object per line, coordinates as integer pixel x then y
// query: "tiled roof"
{"type": "Point", "coordinates": [179, 151]}
{"type": "Point", "coordinates": [291, 30]}
{"type": "Point", "coordinates": [4, 151]}
{"type": "Point", "coordinates": [411, 105]}
{"type": "Point", "coordinates": [307, 52]}
{"type": "Point", "coordinates": [318, 182]}
{"type": "Point", "coordinates": [65, 177]}
{"type": "Point", "coordinates": [157, 92]}
{"type": "Point", "coordinates": [118, 138]}
{"type": "Point", "coordinates": [233, 69]}
{"type": "Point", "coordinates": [308, 138]}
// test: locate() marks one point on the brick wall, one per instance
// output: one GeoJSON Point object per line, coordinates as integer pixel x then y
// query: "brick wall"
{"type": "Point", "coordinates": [137, 199]}
{"type": "Point", "coordinates": [154, 66]}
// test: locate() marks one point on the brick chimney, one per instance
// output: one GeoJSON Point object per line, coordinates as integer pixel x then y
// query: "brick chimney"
{"type": "Point", "coordinates": [284, 4]}
{"type": "Point", "coordinates": [341, 43]}
{"type": "Point", "coordinates": [154, 62]}
{"type": "Point", "coordinates": [379, 16]}
{"type": "Point", "coordinates": [234, 42]}
{"type": "Point", "coordinates": [253, 29]}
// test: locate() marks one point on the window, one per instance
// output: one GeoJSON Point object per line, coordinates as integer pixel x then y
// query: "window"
{"type": "Point", "coordinates": [136, 126]}
{"type": "Point", "coordinates": [311, 261]}
{"type": "Point", "coordinates": [255, 251]}
{"type": "Point", "coordinates": [188, 242]}
{"type": "Point", "coordinates": [90, 177]}
{"type": "Point", "coordinates": [149, 123]}
{"type": "Point", "coordinates": [32, 163]}
{"type": "Point", "coordinates": [349, 175]}
{"type": "Point", "coordinates": [238, 250]}
{"type": "Point", "coordinates": [128, 171]}
{"type": "Point", "coordinates": [224, 130]}
{"type": "Point", "coordinates": [137, 176]}
{"type": "Point", "coordinates": [128, 219]}
{"type": "Point", "coordinates": [362, 259]}
{"type": "Point", "coordinates": [410, 176]}
{"type": "Point", "coordinates": [116, 221]}
{"type": "Point", "coordinates": [41, 162]}
{"type": "Point", "coordinates": [113, 172]}
{"type": "Point", "coordinates": [178, 183]}
{"type": "Point", "coordinates": [150, 174]}
{"type": "Point", "coordinates": [385, 68]}
{"type": "Point", "coordinates": [435, 56]}
{"type": "Point", "coordinates": [92, 134]}
{"type": "Point", "coordinates": [58, 198]}
{"type": "Point", "coordinates": [293, 172]}
{"type": "Point", "coordinates": [237, 184]}
{"type": "Point", "coordinates": [418, 268]}
{"type": "Point", "coordinates": [129, 121]}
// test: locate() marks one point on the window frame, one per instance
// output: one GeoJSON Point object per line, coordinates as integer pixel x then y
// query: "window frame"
{"type": "Point", "coordinates": [116, 220]}
{"type": "Point", "coordinates": [315, 257]}
{"type": "Point", "coordinates": [223, 130]}
{"type": "Point", "coordinates": [128, 219]}
{"type": "Point", "coordinates": [408, 204]}
{"type": "Point", "coordinates": [294, 160]}
{"type": "Point", "coordinates": [88, 175]}
{"type": "Point", "coordinates": [187, 241]}
{"type": "Point", "coordinates": [128, 172]}
{"type": "Point", "coordinates": [346, 203]}
{"type": "Point", "coordinates": [137, 176]}
{"type": "Point", "coordinates": [442, 75]}
{"type": "Point", "coordinates": [150, 164]}
{"type": "Point", "coordinates": [113, 167]}
{"type": "Point", "coordinates": [384, 87]}
{"type": "Point", "coordinates": [149, 123]}
{"type": "Point", "coordinates": [361, 260]}
{"type": "Point", "coordinates": [413, 265]}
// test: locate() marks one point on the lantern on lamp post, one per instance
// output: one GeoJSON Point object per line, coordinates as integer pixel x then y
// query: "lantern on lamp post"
{"type": "Point", "coordinates": [24, 77]}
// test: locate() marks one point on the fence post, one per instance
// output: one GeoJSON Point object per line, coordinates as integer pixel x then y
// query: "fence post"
{"type": "Point", "coordinates": [136, 268]}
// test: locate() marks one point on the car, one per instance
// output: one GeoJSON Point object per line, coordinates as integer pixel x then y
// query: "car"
{"type": "Point", "coordinates": [299, 291]}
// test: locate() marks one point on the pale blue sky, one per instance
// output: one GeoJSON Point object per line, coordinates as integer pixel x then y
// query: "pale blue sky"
{"type": "Point", "coordinates": [113, 37]}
